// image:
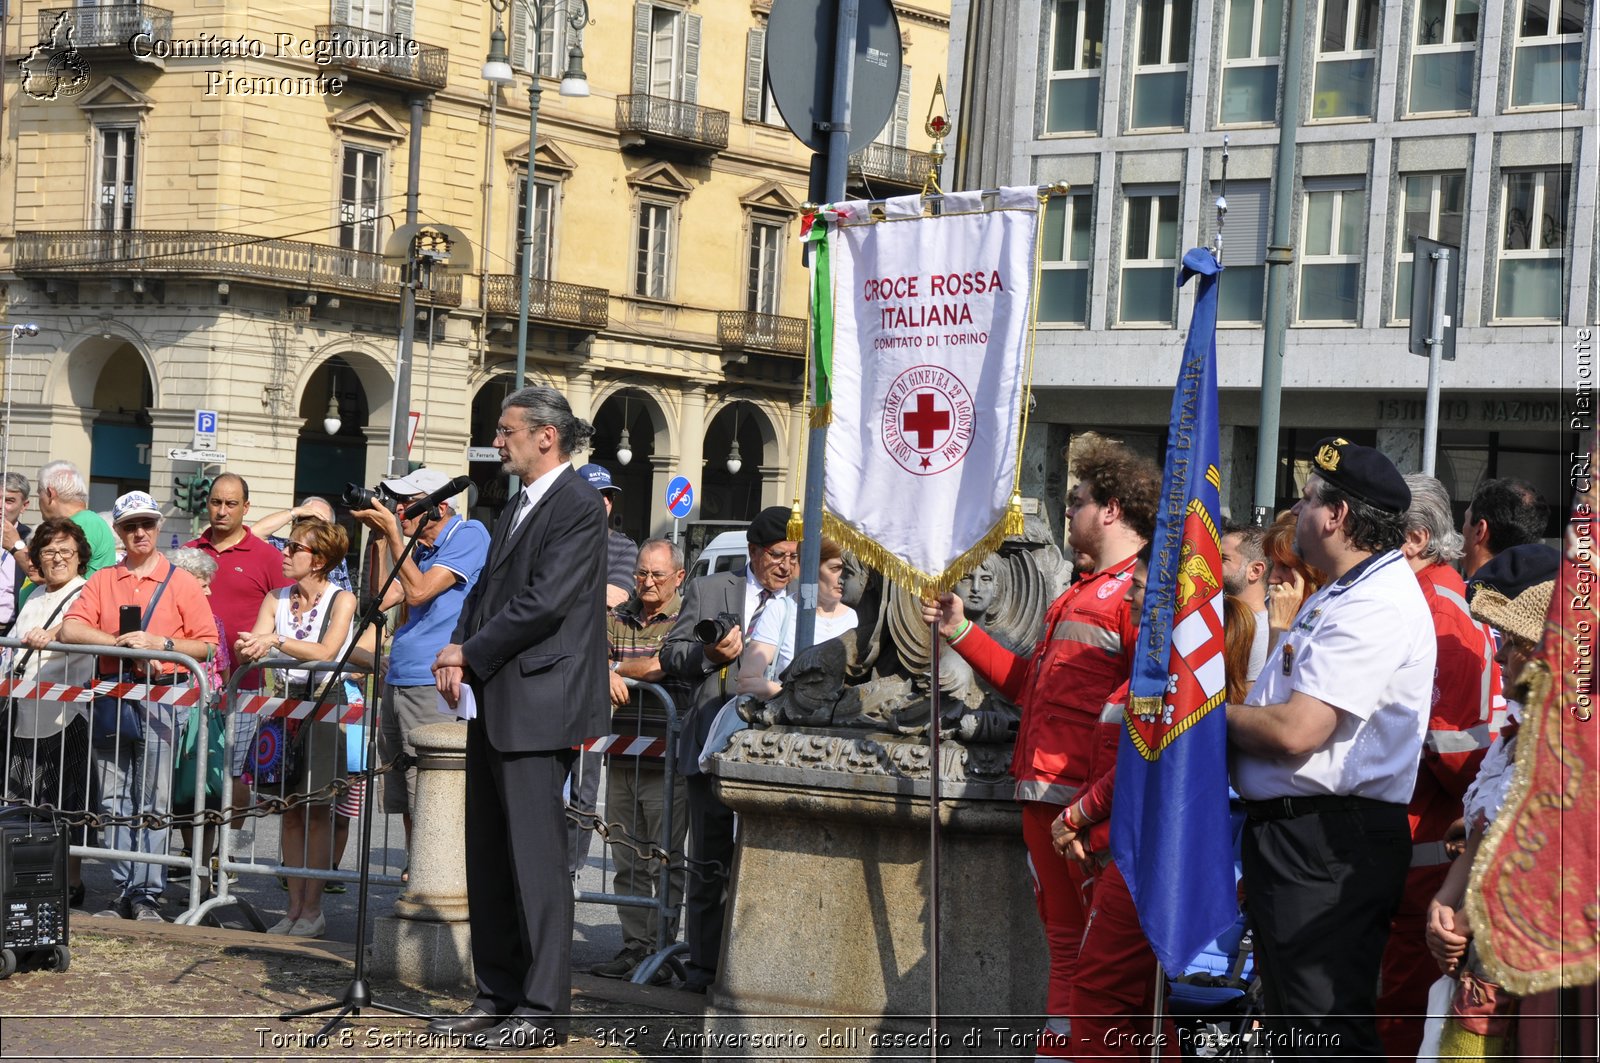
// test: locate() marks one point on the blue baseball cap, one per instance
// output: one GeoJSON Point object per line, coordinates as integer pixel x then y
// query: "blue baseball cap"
{"type": "Point", "coordinates": [599, 478]}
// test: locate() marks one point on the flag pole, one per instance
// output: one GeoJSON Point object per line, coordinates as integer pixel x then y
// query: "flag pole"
{"type": "Point", "coordinates": [934, 772]}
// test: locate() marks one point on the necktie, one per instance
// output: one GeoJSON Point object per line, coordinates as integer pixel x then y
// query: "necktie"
{"type": "Point", "coordinates": [761, 604]}
{"type": "Point", "coordinates": [521, 510]}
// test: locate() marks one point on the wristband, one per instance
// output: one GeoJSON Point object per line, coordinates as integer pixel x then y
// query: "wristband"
{"type": "Point", "coordinates": [961, 633]}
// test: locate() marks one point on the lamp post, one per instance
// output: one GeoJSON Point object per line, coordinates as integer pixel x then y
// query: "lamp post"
{"type": "Point", "coordinates": [29, 329]}
{"type": "Point", "coordinates": [574, 82]}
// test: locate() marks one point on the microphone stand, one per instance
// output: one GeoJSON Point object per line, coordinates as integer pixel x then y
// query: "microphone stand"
{"type": "Point", "coordinates": [358, 994]}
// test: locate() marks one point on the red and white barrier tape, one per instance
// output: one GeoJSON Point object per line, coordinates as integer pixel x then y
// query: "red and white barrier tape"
{"type": "Point", "coordinates": [627, 746]}
{"type": "Point", "coordinates": [260, 705]}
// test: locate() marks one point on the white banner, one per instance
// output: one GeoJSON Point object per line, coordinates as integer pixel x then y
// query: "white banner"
{"type": "Point", "coordinates": [929, 375]}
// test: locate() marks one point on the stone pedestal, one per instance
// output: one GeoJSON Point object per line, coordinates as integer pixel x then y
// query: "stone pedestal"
{"type": "Point", "coordinates": [828, 919]}
{"type": "Point", "coordinates": [426, 941]}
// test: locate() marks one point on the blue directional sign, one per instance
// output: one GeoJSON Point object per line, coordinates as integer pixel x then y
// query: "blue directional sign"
{"type": "Point", "coordinates": [205, 422]}
{"type": "Point", "coordinates": [680, 496]}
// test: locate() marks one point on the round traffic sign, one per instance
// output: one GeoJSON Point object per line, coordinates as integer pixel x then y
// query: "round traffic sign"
{"type": "Point", "coordinates": [680, 496]}
{"type": "Point", "coordinates": [800, 68]}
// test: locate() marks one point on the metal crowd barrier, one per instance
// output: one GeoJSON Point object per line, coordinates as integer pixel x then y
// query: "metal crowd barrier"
{"type": "Point", "coordinates": [664, 849]}
{"type": "Point", "coordinates": [327, 779]}
{"type": "Point", "coordinates": [127, 779]}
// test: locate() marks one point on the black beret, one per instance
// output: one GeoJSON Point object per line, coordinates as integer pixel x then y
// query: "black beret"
{"type": "Point", "coordinates": [1363, 473]}
{"type": "Point", "coordinates": [770, 526]}
{"type": "Point", "coordinates": [1515, 570]}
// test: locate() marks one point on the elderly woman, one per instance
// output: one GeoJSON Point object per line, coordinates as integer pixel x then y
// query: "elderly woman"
{"type": "Point", "coordinates": [50, 748]}
{"type": "Point", "coordinates": [202, 567]}
{"type": "Point", "coordinates": [308, 621]}
{"type": "Point", "coordinates": [166, 610]}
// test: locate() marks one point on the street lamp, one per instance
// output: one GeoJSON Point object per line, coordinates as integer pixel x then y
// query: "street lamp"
{"type": "Point", "coordinates": [497, 71]}
{"type": "Point", "coordinates": [29, 329]}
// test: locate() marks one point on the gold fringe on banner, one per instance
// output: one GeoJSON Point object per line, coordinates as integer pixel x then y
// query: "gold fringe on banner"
{"type": "Point", "coordinates": [822, 416]}
{"type": "Point", "coordinates": [914, 581]}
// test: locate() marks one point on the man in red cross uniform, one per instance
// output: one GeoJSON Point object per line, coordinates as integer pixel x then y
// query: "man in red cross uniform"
{"type": "Point", "coordinates": [1467, 706]}
{"type": "Point", "coordinates": [1085, 655]}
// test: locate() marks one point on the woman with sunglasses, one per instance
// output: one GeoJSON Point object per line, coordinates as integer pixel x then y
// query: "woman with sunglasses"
{"type": "Point", "coordinates": [308, 621]}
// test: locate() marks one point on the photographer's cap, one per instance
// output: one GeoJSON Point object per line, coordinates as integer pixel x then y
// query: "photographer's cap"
{"type": "Point", "coordinates": [599, 478]}
{"type": "Point", "coordinates": [420, 482]}
{"type": "Point", "coordinates": [132, 505]}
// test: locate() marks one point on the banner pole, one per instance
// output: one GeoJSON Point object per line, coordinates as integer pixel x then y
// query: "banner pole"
{"type": "Point", "coordinates": [934, 773]}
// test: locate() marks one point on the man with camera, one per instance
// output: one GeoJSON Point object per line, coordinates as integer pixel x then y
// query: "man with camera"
{"type": "Point", "coordinates": [733, 601]}
{"type": "Point", "coordinates": [432, 585]}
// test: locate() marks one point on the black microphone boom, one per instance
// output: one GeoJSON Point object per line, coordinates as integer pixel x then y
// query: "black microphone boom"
{"type": "Point", "coordinates": [448, 491]}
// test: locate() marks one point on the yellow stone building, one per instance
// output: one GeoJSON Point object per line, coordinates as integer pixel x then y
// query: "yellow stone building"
{"type": "Point", "coordinates": [195, 201]}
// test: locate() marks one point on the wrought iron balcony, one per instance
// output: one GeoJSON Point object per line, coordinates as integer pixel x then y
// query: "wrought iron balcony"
{"type": "Point", "coordinates": [220, 256]}
{"type": "Point", "coordinates": [642, 118]}
{"type": "Point", "coordinates": [552, 302]}
{"type": "Point", "coordinates": [898, 166]}
{"type": "Point", "coordinates": [383, 58]}
{"type": "Point", "coordinates": [108, 25]}
{"type": "Point", "coordinates": [746, 330]}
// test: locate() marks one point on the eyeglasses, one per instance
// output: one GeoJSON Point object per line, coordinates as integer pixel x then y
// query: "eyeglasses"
{"type": "Point", "coordinates": [788, 557]}
{"type": "Point", "coordinates": [502, 432]}
{"type": "Point", "coordinates": [59, 555]}
{"type": "Point", "coordinates": [291, 548]}
{"type": "Point", "coordinates": [654, 577]}
{"type": "Point", "coordinates": [142, 524]}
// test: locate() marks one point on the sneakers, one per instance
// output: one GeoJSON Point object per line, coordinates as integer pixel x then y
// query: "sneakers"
{"type": "Point", "coordinates": [145, 911]}
{"type": "Point", "coordinates": [119, 910]}
{"type": "Point", "coordinates": [619, 966]}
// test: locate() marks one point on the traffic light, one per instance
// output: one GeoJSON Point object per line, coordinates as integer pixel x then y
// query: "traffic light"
{"type": "Point", "coordinates": [202, 492]}
{"type": "Point", "coordinates": [183, 494]}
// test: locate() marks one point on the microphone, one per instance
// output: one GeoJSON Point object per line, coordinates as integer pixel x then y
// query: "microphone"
{"type": "Point", "coordinates": [443, 494]}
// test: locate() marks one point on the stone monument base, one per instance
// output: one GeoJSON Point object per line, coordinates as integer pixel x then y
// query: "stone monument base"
{"type": "Point", "coordinates": [431, 954]}
{"type": "Point", "coordinates": [828, 920]}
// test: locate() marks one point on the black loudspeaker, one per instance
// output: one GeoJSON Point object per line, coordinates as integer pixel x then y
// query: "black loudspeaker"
{"type": "Point", "coordinates": [34, 908]}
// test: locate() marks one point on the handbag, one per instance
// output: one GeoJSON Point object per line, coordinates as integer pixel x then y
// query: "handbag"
{"type": "Point", "coordinates": [1479, 1006]}
{"type": "Point", "coordinates": [110, 717]}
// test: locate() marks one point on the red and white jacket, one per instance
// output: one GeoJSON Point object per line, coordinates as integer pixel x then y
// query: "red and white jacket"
{"type": "Point", "coordinates": [1061, 688]}
{"type": "Point", "coordinates": [1468, 708]}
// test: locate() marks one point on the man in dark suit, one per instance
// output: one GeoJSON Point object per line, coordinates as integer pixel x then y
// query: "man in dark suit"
{"type": "Point", "coordinates": [531, 644]}
{"type": "Point", "coordinates": [744, 592]}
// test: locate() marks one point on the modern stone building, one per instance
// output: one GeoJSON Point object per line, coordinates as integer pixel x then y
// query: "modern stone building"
{"type": "Point", "coordinates": [195, 202]}
{"type": "Point", "coordinates": [1465, 122]}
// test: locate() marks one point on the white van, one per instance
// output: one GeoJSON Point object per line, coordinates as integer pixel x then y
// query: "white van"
{"type": "Point", "coordinates": [726, 552]}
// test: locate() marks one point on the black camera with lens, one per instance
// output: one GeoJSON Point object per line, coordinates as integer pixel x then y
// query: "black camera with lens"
{"type": "Point", "coordinates": [714, 630]}
{"type": "Point", "coordinates": [357, 497]}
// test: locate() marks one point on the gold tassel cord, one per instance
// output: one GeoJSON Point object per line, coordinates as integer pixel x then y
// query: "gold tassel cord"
{"type": "Point", "coordinates": [797, 525]}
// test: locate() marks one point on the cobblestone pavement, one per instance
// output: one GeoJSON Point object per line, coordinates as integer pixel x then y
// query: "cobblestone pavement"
{"type": "Point", "coordinates": [161, 992]}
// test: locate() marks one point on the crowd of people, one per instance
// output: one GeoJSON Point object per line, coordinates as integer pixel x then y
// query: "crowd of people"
{"type": "Point", "coordinates": [1373, 649]}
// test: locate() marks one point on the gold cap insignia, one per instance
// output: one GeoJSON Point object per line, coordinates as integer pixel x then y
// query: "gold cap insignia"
{"type": "Point", "coordinates": [1328, 457]}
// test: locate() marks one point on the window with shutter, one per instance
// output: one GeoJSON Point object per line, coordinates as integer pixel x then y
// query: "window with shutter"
{"type": "Point", "coordinates": [1241, 294]}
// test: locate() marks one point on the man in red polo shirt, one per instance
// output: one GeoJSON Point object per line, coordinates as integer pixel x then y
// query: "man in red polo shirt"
{"type": "Point", "coordinates": [248, 569]}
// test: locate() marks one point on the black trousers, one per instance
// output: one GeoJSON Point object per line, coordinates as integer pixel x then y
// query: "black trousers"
{"type": "Point", "coordinates": [1320, 891]}
{"type": "Point", "coordinates": [519, 892]}
{"type": "Point", "coordinates": [706, 896]}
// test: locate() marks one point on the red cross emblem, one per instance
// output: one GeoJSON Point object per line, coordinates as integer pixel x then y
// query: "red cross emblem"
{"type": "Point", "coordinates": [927, 420]}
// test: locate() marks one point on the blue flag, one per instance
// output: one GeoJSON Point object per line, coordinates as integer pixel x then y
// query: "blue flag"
{"type": "Point", "coordinates": [1170, 831]}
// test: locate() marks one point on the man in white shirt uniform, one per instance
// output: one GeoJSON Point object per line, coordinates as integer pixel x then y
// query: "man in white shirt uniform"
{"type": "Point", "coordinates": [1325, 752]}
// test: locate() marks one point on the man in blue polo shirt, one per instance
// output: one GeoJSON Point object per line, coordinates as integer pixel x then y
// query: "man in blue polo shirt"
{"type": "Point", "coordinates": [432, 585]}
